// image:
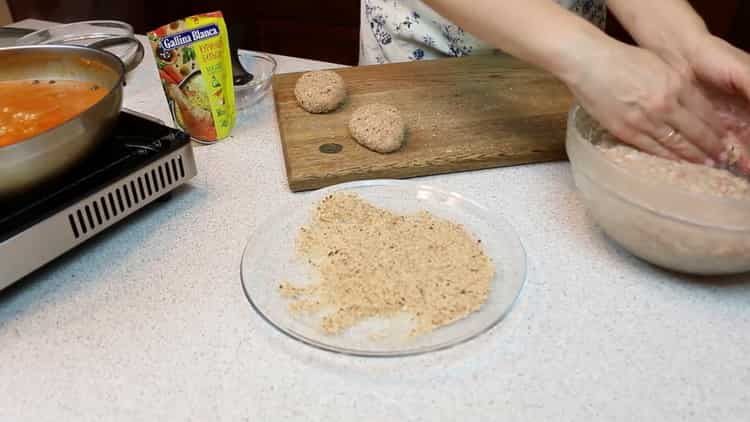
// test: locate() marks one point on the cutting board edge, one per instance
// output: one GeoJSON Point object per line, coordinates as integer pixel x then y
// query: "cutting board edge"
{"type": "Point", "coordinates": [282, 133]}
{"type": "Point", "coordinates": [315, 183]}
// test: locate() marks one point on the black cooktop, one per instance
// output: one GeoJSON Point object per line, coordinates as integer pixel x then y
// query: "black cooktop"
{"type": "Point", "coordinates": [134, 143]}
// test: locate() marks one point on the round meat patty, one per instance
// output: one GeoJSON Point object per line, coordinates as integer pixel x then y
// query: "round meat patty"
{"type": "Point", "coordinates": [378, 127]}
{"type": "Point", "coordinates": [320, 91]}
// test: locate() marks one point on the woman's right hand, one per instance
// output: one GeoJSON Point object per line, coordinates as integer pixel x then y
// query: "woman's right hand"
{"type": "Point", "coordinates": [647, 103]}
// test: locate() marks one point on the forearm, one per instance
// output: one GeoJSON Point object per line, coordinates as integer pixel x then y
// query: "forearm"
{"type": "Point", "coordinates": [660, 24]}
{"type": "Point", "coordinates": [537, 31]}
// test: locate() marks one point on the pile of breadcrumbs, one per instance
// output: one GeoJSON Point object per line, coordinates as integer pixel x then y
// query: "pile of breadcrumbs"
{"type": "Point", "coordinates": [375, 263]}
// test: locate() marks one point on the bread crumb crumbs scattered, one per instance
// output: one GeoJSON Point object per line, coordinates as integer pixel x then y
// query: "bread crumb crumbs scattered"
{"type": "Point", "coordinates": [375, 263]}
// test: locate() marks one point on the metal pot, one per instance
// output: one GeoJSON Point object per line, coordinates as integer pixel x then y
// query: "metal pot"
{"type": "Point", "coordinates": [29, 163]}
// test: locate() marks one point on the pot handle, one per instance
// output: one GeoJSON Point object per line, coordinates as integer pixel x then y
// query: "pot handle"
{"type": "Point", "coordinates": [131, 61]}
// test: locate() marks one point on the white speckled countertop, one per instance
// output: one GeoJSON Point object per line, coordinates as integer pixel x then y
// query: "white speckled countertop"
{"type": "Point", "coordinates": [149, 322]}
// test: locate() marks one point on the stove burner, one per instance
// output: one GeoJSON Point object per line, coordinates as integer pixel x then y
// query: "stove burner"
{"type": "Point", "coordinates": [140, 163]}
{"type": "Point", "coordinates": [135, 142]}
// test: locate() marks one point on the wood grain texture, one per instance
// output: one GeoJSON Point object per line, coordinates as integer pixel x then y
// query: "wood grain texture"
{"type": "Point", "coordinates": [462, 114]}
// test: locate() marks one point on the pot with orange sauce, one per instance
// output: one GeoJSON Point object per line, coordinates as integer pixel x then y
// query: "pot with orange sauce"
{"type": "Point", "coordinates": [57, 103]}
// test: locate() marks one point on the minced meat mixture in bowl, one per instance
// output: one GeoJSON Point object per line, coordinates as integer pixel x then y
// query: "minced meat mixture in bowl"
{"type": "Point", "coordinates": [682, 216]}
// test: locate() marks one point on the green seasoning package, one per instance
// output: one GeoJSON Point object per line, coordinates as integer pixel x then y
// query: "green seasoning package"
{"type": "Point", "coordinates": [196, 72]}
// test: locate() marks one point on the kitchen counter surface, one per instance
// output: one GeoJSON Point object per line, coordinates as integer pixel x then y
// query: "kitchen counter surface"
{"type": "Point", "coordinates": [148, 321]}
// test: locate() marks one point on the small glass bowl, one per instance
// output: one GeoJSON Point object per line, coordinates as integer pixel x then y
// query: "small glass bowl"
{"type": "Point", "coordinates": [262, 67]}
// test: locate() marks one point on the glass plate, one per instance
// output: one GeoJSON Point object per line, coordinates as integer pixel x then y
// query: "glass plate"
{"type": "Point", "coordinates": [113, 36]}
{"type": "Point", "coordinates": [9, 36]}
{"type": "Point", "coordinates": [270, 258]}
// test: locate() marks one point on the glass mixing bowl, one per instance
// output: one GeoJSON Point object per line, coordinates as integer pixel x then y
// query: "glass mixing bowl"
{"type": "Point", "coordinates": [664, 224]}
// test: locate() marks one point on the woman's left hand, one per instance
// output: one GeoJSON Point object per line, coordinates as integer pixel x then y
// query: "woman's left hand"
{"type": "Point", "coordinates": [721, 65]}
{"type": "Point", "coordinates": [724, 71]}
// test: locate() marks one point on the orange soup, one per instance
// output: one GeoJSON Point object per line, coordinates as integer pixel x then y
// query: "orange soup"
{"type": "Point", "coordinates": [29, 107]}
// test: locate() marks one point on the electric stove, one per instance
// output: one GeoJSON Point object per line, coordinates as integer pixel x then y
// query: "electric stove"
{"type": "Point", "coordinates": [140, 162]}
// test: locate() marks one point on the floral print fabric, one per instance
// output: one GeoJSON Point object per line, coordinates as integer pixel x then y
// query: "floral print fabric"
{"type": "Point", "coordinates": [403, 30]}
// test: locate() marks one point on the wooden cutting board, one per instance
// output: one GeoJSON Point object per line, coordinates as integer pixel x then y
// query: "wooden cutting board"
{"type": "Point", "coordinates": [462, 114]}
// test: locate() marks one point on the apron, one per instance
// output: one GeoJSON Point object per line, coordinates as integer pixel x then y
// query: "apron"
{"type": "Point", "coordinates": [405, 30]}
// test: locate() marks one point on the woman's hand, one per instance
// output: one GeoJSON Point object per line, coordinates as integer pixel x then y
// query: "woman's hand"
{"type": "Point", "coordinates": [723, 72]}
{"type": "Point", "coordinates": [647, 103]}
{"type": "Point", "coordinates": [635, 93]}
{"type": "Point", "coordinates": [720, 64]}
{"type": "Point", "coordinates": [679, 36]}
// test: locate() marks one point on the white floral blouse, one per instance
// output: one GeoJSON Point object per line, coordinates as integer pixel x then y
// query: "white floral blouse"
{"type": "Point", "coordinates": [403, 30]}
